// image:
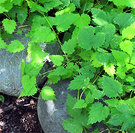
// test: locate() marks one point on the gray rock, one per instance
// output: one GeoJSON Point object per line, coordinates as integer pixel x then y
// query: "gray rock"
{"type": "Point", "coordinates": [51, 113]}
{"type": "Point", "coordinates": [10, 73]}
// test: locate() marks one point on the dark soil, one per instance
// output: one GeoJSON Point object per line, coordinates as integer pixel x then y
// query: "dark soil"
{"type": "Point", "coordinates": [19, 115]}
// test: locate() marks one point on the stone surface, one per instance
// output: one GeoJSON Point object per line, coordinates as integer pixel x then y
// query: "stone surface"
{"type": "Point", "coordinates": [10, 72]}
{"type": "Point", "coordinates": [51, 113]}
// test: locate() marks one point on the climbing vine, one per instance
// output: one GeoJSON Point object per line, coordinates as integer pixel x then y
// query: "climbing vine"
{"type": "Point", "coordinates": [98, 55]}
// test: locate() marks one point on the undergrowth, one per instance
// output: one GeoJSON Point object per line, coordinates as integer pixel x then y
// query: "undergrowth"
{"type": "Point", "coordinates": [98, 55]}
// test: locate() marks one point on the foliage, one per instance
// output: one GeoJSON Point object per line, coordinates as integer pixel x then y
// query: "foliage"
{"type": "Point", "coordinates": [98, 55]}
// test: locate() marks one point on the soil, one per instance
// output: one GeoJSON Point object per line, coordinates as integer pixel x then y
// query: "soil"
{"type": "Point", "coordinates": [19, 115]}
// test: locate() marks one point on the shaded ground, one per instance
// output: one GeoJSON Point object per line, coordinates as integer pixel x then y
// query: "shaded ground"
{"type": "Point", "coordinates": [19, 115]}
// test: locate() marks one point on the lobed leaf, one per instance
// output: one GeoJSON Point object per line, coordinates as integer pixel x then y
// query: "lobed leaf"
{"type": "Point", "coordinates": [111, 87]}
{"type": "Point", "coordinates": [9, 25]}
{"type": "Point", "coordinates": [47, 93]}
{"type": "Point", "coordinates": [15, 46]}
{"type": "Point", "coordinates": [97, 113]}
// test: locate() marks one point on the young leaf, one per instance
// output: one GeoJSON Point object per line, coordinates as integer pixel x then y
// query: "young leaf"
{"type": "Point", "coordinates": [129, 32]}
{"type": "Point", "coordinates": [80, 104]}
{"type": "Point", "coordinates": [128, 3]}
{"type": "Point", "coordinates": [69, 46]}
{"type": "Point", "coordinates": [111, 87]}
{"type": "Point", "coordinates": [15, 46]}
{"type": "Point", "coordinates": [42, 34]}
{"type": "Point", "coordinates": [120, 57]}
{"type": "Point", "coordinates": [9, 25]}
{"type": "Point", "coordinates": [28, 84]}
{"type": "Point", "coordinates": [110, 69]}
{"type": "Point", "coordinates": [47, 93]}
{"type": "Point", "coordinates": [56, 59]}
{"type": "Point", "coordinates": [59, 71]}
{"type": "Point", "coordinates": [97, 113]}
{"type": "Point", "coordinates": [2, 44]}
{"type": "Point", "coordinates": [127, 46]}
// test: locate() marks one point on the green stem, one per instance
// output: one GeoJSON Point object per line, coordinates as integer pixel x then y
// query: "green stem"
{"type": "Point", "coordinates": [96, 78]}
{"type": "Point", "coordinates": [55, 34]}
{"type": "Point", "coordinates": [82, 93]}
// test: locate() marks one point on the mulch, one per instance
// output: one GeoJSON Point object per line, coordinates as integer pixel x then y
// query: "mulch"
{"type": "Point", "coordinates": [19, 115]}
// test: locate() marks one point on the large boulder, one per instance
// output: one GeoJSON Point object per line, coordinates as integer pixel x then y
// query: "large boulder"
{"type": "Point", "coordinates": [52, 113]}
{"type": "Point", "coordinates": [10, 73]}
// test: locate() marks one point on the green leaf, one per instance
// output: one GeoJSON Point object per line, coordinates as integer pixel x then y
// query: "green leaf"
{"type": "Point", "coordinates": [28, 84]}
{"type": "Point", "coordinates": [15, 46]}
{"type": "Point", "coordinates": [111, 102]}
{"type": "Point", "coordinates": [120, 57]}
{"type": "Point", "coordinates": [47, 93]}
{"type": "Point", "coordinates": [127, 46]}
{"type": "Point", "coordinates": [9, 25]}
{"type": "Point", "coordinates": [123, 116]}
{"type": "Point", "coordinates": [86, 54]}
{"type": "Point", "coordinates": [78, 83]}
{"type": "Point", "coordinates": [83, 20]}
{"type": "Point", "coordinates": [121, 72]}
{"type": "Point", "coordinates": [109, 30]}
{"type": "Point", "coordinates": [69, 46]}
{"type": "Point", "coordinates": [103, 58]}
{"type": "Point", "coordinates": [57, 59]}
{"type": "Point", "coordinates": [2, 9]}
{"type": "Point", "coordinates": [2, 99]}
{"type": "Point", "coordinates": [68, 9]}
{"type": "Point", "coordinates": [86, 5]}
{"type": "Point", "coordinates": [35, 7]}
{"type": "Point", "coordinates": [128, 3]}
{"type": "Point", "coordinates": [111, 87]}
{"type": "Point", "coordinates": [18, 2]}
{"type": "Point", "coordinates": [65, 2]}
{"type": "Point", "coordinates": [33, 68]}
{"type": "Point", "coordinates": [51, 4]}
{"type": "Point", "coordinates": [124, 20]}
{"type": "Point", "coordinates": [64, 21]}
{"type": "Point", "coordinates": [42, 34]}
{"type": "Point", "coordinates": [89, 98]}
{"type": "Point", "coordinates": [76, 3]}
{"type": "Point", "coordinates": [2, 44]}
{"type": "Point", "coordinates": [97, 113]}
{"type": "Point", "coordinates": [100, 17]}
{"type": "Point", "coordinates": [70, 102]}
{"type": "Point", "coordinates": [87, 38]}
{"type": "Point", "coordinates": [72, 125]}
{"type": "Point", "coordinates": [110, 69]}
{"type": "Point", "coordinates": [95, 92]}
{"type": "Point", "coordinates": [129, 32]}
{"type": "Point", "coordinates": [80, 104]}
{"type": "Point", "coordinates": [22, 66]}
{"type": "Point", "coordinates": [53, 79]}
{"type": "Point", "coordinates": [59, 71]}
{"type": "Point", "coordinates": [133, 59]}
